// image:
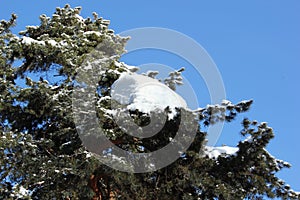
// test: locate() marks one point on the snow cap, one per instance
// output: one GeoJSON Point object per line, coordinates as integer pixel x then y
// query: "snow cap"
{"type": "Point", "coordinates": [145, 94]}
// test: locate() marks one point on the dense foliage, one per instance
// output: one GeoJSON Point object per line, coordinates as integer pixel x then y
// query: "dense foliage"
{"type": "Point", "coordinates": [42, 156]}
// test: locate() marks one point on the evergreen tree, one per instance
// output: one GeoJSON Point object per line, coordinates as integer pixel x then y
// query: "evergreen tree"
{"type": "Point", "coordinates": [43, 157]}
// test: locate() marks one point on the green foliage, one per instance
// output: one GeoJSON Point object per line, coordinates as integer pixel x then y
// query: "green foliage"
{"type": "Point", "coordinates": [42, 152]}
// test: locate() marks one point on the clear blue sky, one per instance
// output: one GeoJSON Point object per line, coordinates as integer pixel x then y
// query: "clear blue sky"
{"type": "Point", "coordinates": [255, 44]}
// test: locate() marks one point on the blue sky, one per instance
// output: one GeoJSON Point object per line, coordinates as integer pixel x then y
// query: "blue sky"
{"type": "Point", "coordinates": [255, 44]}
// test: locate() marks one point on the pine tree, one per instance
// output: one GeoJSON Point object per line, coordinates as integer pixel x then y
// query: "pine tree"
{"type": "Point", "coordinates": [43, 157]}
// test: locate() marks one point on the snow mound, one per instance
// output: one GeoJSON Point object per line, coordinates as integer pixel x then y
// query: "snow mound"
{"type": "Point", "coordinates": [29, 41]}
{"type": "Point", "coordinates": [215, 152]}
{"type": "Point", "coordinates": [145, 94]}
